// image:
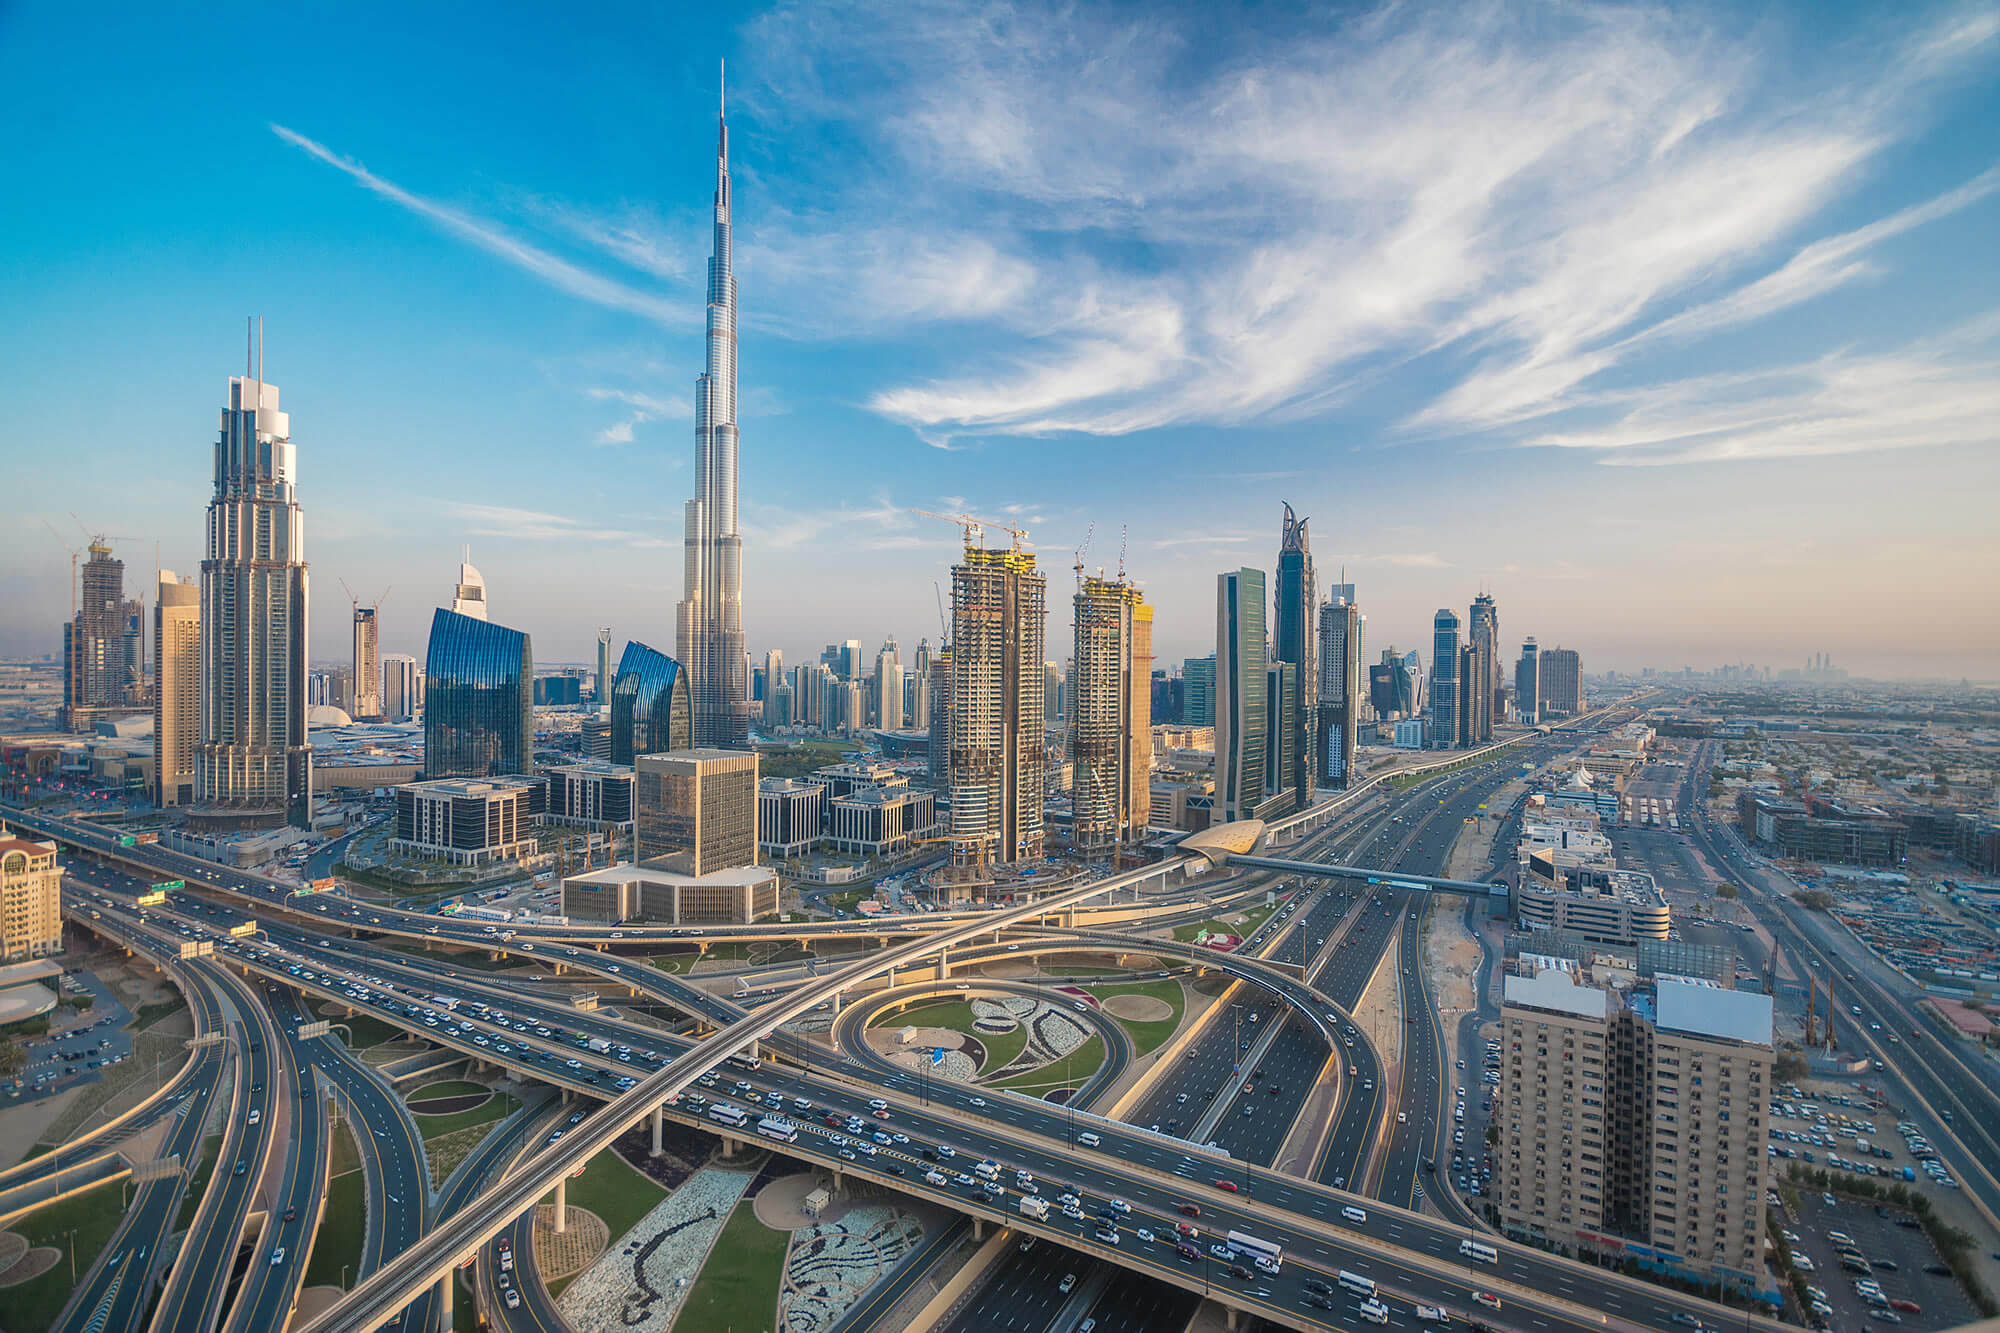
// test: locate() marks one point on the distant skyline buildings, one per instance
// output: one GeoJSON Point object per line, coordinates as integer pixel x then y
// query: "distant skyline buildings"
{"type": "Point", "coordinates": [1445, 666]}
{"type": "Point", "coordinates": [1339, 690]}
{"type": "Point", "coordinates": [103, 646]}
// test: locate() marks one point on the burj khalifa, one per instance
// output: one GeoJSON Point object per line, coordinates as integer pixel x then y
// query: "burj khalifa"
{"type": "Point", "coordinates": [709, 627]}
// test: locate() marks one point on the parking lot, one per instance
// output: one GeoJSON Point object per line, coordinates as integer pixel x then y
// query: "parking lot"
{"type": "Point", "coordinates": [1898, 1254]}
{"type": "Point", "coordinates": [79, 1052]}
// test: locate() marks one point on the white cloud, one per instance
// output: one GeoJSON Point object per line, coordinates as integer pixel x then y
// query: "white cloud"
{"type": "Point", "coordinates": [532, 525]}
{"type": "Point", "coordinates": [552, 269]}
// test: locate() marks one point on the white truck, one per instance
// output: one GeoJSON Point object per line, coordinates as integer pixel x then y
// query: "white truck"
{"type": "Point", "coordinates": [1033, 1205]}
{"type": "Point", "coordinates": [600, 1045]}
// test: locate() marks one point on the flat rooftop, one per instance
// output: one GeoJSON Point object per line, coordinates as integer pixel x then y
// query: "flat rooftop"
{"type": "Point", "coordinates": [1704, 1009]}
{"type": "Point", "coordinates": [1555, 989]}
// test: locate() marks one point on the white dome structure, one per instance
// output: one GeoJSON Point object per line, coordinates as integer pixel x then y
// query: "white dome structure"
{"type": "Point", "coordinates": [326, 715]}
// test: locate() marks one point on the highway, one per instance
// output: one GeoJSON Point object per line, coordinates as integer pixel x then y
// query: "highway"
{"type": "Point", "coordinates": [1135, 1171]}
{"type": "Point", "coordinates": [116, 1291]}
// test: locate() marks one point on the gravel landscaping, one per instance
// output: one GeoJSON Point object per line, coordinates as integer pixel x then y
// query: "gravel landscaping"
{"type": "Point", "coordinates": [642, 1282]}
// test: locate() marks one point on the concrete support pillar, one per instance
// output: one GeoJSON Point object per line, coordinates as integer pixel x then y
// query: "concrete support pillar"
{"type": "Point", "coordinates": [562, 1205]}
{"type": "Point", "coordinates": [838, 996]}
{"type": "Point", "coordinates": [943, 963]}
{"type": "Point", "coordinates": [1231, 1317]}
{"type": "Point", "coordinates": [978, 1228]}
{"type": "Point", "coordinates": [728, 1146]}
{"type": "Point", "coordinates": [445, 1290]}
{"type": "Point", "coordinates": [836, 1182]}
{"type": "Point", "coordinates": [659, 1119]}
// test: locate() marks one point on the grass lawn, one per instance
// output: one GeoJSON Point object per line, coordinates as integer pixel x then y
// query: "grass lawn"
{"type": "Point", "coordinates": [845, 901]}
{"type": "Point", "coordinates": [198, 1182]}
{"type": "Point", "coordinates": [1213, 927]}
{"type": "Point", "coordinates": [368, 1030]}
{"type": "Point", "coordinates": [619, 1195]}
{"type": "Point", "coordinates": [1003, 1047]}
{"type": "Point", "coordinates": [150, 1014]}
{"type": "Point", "coordinates": [451, 1087]}
{"type": "Point", "coordinates": [34, 1305]}
{"type": "Point", "coordinates": [1073, 1068]}
{"type": "Point", "coordinates": [338, 1242]}
{"type": "Point", "coordinates": [1147, 1037]}
{"type": "Point", "coordinates": [499, 1108]}
{"type": "Point", "coordinates": [738, 1286]}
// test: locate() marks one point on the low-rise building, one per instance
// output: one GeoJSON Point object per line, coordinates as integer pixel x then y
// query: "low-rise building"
{"type": "Point", "coordinates": [466, 821]}
{"type": "Point", "coordinates": [1580, 896]}
{"type": "Point", "coordinates": [740, 895]}
{"type": "Point", "coordinates": [790, 815]}
{"type": "Point", "coordinates": [590, 794]}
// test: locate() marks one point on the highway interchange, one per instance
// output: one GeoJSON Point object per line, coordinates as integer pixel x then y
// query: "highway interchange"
{"type": "Point", "coordinates": [1155, 1174]}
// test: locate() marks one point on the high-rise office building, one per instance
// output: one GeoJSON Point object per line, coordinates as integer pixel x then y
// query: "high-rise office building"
{"type": "Point", "coordinates": [997, 755]}
{"type": "Point", "coordinates": [602, 693]}
{"type": "Point", "coordinates": [695, 810]}
{"type": "Point", "coordinates": [1242, 703]}
{"type": "Point", "coordinates": [479, 710]}
{"type": "Point", "coordinates": [1198, 677]}
{"type": "Point", "coordinates": [1339, 690]}
{"type": "Point", "coordinates": [176, 691]}
{"type": "Point", "coordinates": [1444, 680]}
{"type": "Point", "coordinates": [468, 595]}
{"type": "Point", "coordinates": [1413, 663]}
{"type": "Point", "coordinates": [774, 681]}
{"type": "Point", "coordinates": [256, 767]}
{"type": "Point", "coordinates": [367, 702]}
{"type": "Point", "coordinates": [1630, 1112]}
{"type": "Point", "coordinates": [889, 686]}
{"type": "Point", "coordinates": [1483, 634]}
{"type": "Point", "coordinates": [709, 638]}
{"type": "Point", "coordinates": [940, 748]}
{"type": "Point", "coordinates": [1528, 682]}
{"type": "Point", "coordinates": [1280, 689]}
{"type": "Point", "coordinates": [1295, 639]}
{"type": "Point", "coordinates": [1468, 662]}
{"type": "Point", "coordinates": [652, 708]}
{"type": "Point", "coordinates": [30, 898]}
{"type": "Point", "coordinates": [103, 647]}
{"type": "Point", "coordinates": [1561, 684]}
{"type": "Point", "coordinates": [1110, 715]}
{"type": "Point", "coordinates": [920, 689]}
{"type": "Point", "coordinates": [400, 691]}
{"type": "Point", "coordinates": [1338, 592]}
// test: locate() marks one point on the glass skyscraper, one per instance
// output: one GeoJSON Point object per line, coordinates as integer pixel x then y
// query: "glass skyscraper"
{"type": "Point", "coordinates": [1444, 680]}
{"type": "Point", "coordinates": [1295, 640]}
{"type": "Point", "coordinates": [1242, 703]}
{"type": "Point", "coordinates": [479, 714]}
{"type": "Point", "coordinates": [651, 707]}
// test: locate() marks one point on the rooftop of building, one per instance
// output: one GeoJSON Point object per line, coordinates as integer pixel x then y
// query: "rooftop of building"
{"type": "Point", "coordinates": [1702, 1008]}
{"type": "Point", "coordinates": [1556, 989]}
{"type": "Point", "coordinates": [732, 758]}
{"type": "Point", "coordinates": [470, 786]}
{"type": "Point", "coordinates": [22, 974]}
{"type": "Point", "coordinates": [593, 768]}
{"type": "Point", "coordinates": [630, 873]}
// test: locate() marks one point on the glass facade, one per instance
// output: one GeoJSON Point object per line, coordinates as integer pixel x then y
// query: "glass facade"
{"type": "Point", "coordinates": [479, 716]}
{"type": "Point", "coordinates": [651, 707]}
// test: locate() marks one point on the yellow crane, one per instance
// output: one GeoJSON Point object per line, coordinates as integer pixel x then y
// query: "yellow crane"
{"type": "Point", "coordinates": [975, 528]}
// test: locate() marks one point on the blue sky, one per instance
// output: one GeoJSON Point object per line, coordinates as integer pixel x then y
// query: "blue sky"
{"type": "Point", "coordinates": [1675, 327]}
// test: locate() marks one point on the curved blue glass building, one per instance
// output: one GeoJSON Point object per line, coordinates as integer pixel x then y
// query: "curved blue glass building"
{"type": "Point", "coordinates": [479, 714]}
{"type": "Point", "coordinates": [652, 707]}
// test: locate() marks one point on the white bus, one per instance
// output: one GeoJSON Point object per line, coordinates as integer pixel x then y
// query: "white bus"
{"type": "Point", "coordinates": [1480, 1250]}
{"type": "Point", "coordinates": [1354, 1282]}
{"type": "Point", "coordinates": [746, 1061]}
{"type": "Point", "coordinates": [727, 1114]}
{"type": "Point", "coordinates": [772, 1127]}
{"type": "Point", "coordinates": [1244, 1243]}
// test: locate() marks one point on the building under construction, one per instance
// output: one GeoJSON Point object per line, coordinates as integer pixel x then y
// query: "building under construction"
{"type": "Point", "coordinates": [997, 769]}
{"type": "Point", "coordinates": [1111, 715]}
{"type": "Point", "coordinates": [103, 647]}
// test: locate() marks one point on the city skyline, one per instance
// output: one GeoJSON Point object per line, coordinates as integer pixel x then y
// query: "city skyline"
{"type": "Point", "coordinates": [548, 296]}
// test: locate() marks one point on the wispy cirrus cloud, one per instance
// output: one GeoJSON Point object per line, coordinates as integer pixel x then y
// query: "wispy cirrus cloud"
{"type": "Point", "coordinates": [533, 525]}
{"type": "Point", "coordinates": [643, 407]}
{"type": "Point", "coordinates": [551, 268]}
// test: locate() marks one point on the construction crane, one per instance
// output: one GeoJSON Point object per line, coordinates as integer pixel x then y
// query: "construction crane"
{"type": "Point", "coordinates": [1081, 551]}
{"type": "Point", "coordinates": [1123, 532]}
{"type": "Point", "coordinates": [975, 528]}
{"type": "Point", "coordinates": [944, 625]}
{"type": "Point", "coordinates": [74, 553]}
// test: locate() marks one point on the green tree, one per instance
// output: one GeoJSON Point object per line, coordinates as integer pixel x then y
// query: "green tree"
{"type": "Point", "coordinates": [1728, 891]}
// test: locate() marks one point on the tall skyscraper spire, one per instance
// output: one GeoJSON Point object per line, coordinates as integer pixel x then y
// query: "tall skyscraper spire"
{"type": "Point", "coordinates": [709, 625]}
